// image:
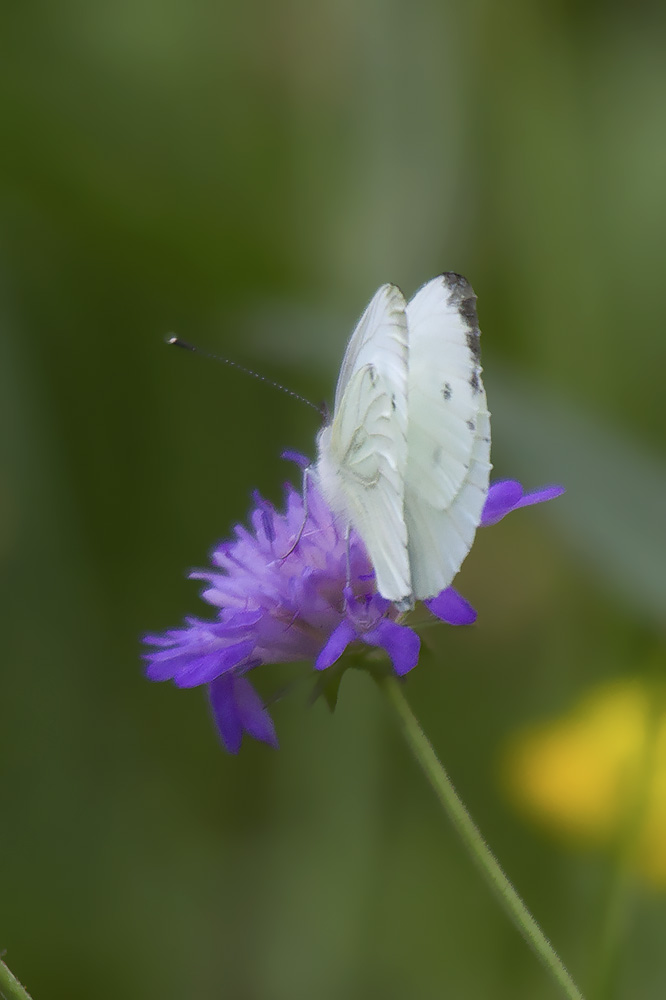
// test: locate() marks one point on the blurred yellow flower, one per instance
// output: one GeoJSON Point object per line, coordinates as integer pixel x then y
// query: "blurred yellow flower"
{"type": "Point", "coordinates": [597, 775]}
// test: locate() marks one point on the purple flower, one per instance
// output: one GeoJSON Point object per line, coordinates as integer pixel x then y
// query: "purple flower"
{"type": "Point", "coordinates": [278, 601]}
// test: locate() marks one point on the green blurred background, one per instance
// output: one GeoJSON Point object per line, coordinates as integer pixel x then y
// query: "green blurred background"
{"type": "Point", "coordinates": [246, 175]}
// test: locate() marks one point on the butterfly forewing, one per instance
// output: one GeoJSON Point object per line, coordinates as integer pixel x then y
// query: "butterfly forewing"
{"type": "Point", "coordinates": [448, 436]}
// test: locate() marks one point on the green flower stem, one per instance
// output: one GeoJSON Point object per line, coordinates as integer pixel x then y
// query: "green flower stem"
{"type": "Point", "coordinates": [10, 988]}
{"type": "Point", "coordinates": [473, 841]}
{"type": "Point", "coordinates": [618, 896]}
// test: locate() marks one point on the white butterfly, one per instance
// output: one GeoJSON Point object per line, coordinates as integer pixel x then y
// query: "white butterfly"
{"type": "Point", "coordinates": [405, 459]}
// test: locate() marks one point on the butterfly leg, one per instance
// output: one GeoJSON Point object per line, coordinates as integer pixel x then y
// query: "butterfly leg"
{"type": "Point", "coordinates": [348, 554]}
{"type": "Point", "coordinates": [306, 476]}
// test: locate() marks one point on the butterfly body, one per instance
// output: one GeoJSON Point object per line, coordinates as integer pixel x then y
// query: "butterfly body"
{"type": "Point", "coordinates": [405, 459]}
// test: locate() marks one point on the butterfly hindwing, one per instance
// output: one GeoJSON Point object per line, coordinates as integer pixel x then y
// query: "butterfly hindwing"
{"type": "Point", "coordinates": [363, 454]}
{"type": "Point", "coordinates": [379, 340]}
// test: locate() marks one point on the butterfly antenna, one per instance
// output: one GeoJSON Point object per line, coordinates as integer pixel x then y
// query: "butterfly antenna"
{"type": "Point", "coordinates": [177, 342]}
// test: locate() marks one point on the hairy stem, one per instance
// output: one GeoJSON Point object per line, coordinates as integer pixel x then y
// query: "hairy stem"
{"type": "Point", "coordinates": [10, 988]}
{"type": "Point", "coordinates": [473, 841]}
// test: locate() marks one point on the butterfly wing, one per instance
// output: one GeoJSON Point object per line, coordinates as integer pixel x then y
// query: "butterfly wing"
{"type": "Point", "coordinates": [448, 436]}
{"type": "Point", "coordinates": [363, 453]}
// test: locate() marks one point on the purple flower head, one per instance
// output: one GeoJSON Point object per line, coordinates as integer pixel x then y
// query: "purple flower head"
{"type": "Point", "coordinates": [289, 589]}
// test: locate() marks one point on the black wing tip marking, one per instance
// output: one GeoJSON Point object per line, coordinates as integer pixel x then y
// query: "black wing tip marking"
{"type": "Point", "coordinates": [473, 342]}
{"type": "Point", "coordinates": [462, 297]}
{"type": "Point", "coordinates": [457, 284]}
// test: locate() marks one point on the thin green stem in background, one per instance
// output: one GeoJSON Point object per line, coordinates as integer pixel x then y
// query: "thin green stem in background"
{"type": "Point", "coordinates": [618, 897]}
{"type": "Point", "coordinates": [10, 988]}
{"type": "Point", "coordinates": [473, 841]}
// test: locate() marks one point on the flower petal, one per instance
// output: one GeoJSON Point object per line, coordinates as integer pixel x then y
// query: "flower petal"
{"type": "Point", "coordinates": [253, 716]}
{"type": "Point", "coordinates": [202, 669]}
{"type": "Point", "coordinates": [239, 621]}
{"type": "Point", "coordinates": [540, 496]}
{"type": "Point", "coordinates": [336, 645]}
{"type": "Point", "coordinates": [400, 642]}
{"type": "Point", "coordinates": [452, 608]}
{"type": "Point", "coordinates": [225, 712]}
{"type": "Point", "coordinates": [502, 498]}
{"type": "Point", "coordinates": [295, 456]}
{"type": "Point", "coordinates": [508, 495]}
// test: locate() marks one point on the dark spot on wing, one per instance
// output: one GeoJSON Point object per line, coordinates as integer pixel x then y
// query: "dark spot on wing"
{"type": "Point", "coordinates": [394, 405]}
{"type": "Point", "coordinates": [461, 295]}
{"type": "Point", "coordinates": [474, 381]}
{"type": "Point", "coordinates": [471, 425]}
{"type": "Point", "coordinates": [372, 373]}
{"type": "Point", "coordinates": [447, 391]}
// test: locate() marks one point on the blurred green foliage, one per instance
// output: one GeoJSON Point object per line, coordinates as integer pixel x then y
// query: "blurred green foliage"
{"type": "Point", "coordinates": [247, 175]}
